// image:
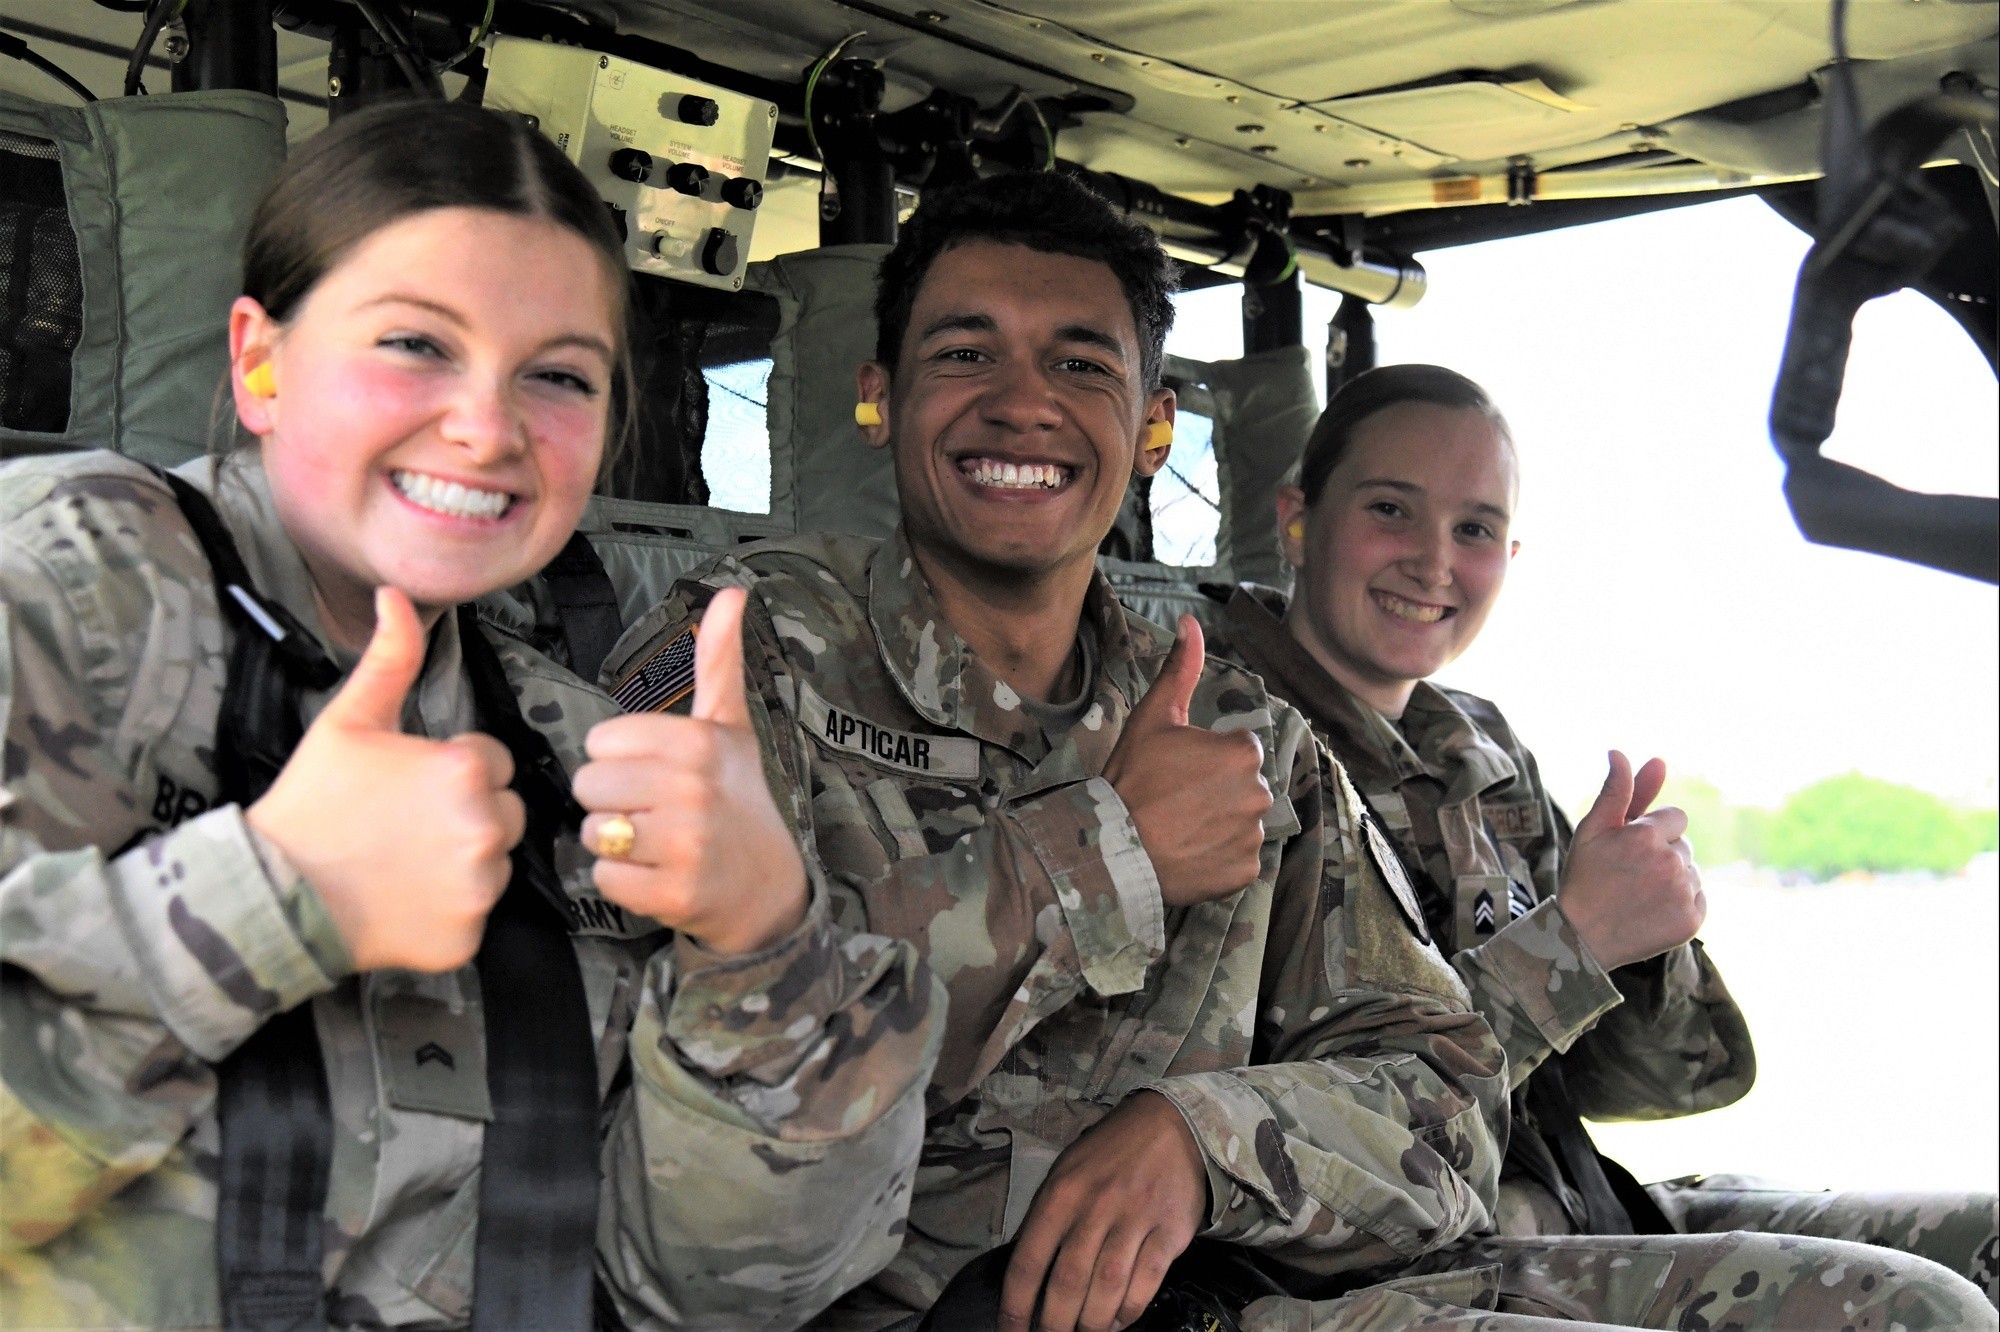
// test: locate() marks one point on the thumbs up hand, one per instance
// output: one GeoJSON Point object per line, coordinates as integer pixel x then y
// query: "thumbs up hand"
{"type": "Point", "coordinates": [1631, 888]}
{"type": "Point", "coordinates": [405, 839]}
{"type": "Point", "coordinates": [1197, 797]}
{"type": "Point", "coordinates": [710, 856]}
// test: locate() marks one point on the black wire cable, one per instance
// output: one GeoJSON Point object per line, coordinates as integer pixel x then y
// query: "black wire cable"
{"type": "Point", "coordinates": [398, 42]}
{"type": "Point", "coordinates": [11, 45]}
{"type": "Point", "coordinates": [135, 68]}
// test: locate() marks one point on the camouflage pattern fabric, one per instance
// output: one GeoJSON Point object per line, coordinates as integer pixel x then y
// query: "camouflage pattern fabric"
{"type": "Point", "coordinates": [1670, 1042]}
{"type": "Point", "coordinates": [1958, 1230]}
{"type": "Point", "coordinates": [757, 1165]}
{"type": "Point", "coordinates": [1692, 1283]}
{"type": "Point", "coordinates": [1464, 798]}
{"type": "Point", "coordinates": [1745, 1283]}
{"type": "Point", "coordinates": [1323, 1054]}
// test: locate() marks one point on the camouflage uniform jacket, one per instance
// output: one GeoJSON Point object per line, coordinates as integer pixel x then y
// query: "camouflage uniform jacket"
{"type": "Point", "coordinates": [756, 1164]}
{"type": "Point", "coordinates": [1323, 1053]}
{"type": "Point", "coordinates": [1464, 799]}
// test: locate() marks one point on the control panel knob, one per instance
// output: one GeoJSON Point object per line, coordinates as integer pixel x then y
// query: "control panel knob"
{"type": "Point", "coordinates": [719, 253]}
{"type": "Point", "coordinates": [696, 110]}
{"type": "Point", "coordinates": [687, 178]}
{"type": "Point", "coordinates": [742, 192]}
{"type": "Point", "coordinates": [632, 164]}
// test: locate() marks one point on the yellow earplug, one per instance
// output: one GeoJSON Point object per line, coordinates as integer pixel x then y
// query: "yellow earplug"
{"type": "Point", "coordinates": [261, 381]}
{"type": "Point", "coordinates": [867, 414]}
{"type": "Point", "coordinates": [1296, 530]}
{"type": "Point", "coordinates": [1159, 434]}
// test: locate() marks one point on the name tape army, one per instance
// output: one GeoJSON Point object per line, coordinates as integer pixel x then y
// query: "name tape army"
{"type": "Point", "coordinates": [954, 756]}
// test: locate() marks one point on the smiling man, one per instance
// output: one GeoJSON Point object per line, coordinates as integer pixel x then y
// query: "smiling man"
{"type": "Point", "coordinates": [1184, 998]}
{"type": "Point", "coordinates": [1578, 947]}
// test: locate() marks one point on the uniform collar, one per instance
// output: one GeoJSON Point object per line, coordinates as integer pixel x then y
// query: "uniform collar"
{"type": "Point", "coordinates": [949, 686]}
{"type": "Point", "coordinates": [1451, 746]}
{"type": "Point", "coordinates": [1376, 756]}
{"type": "Point", "coordinates": [237, 484]}
{"type": "Point", "coordinates": [1436, 739]}
{"type": "Point", "coordinates": [241, 491]}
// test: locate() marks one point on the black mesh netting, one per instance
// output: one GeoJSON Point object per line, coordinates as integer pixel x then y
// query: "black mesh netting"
{"type": "Point", "coordinates": [41, 288]}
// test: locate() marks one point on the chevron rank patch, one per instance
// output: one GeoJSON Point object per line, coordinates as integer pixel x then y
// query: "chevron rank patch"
{"type": "Point", "coordinates": [1520, 899]}
{"type": "Point", "coordinates": [1482, 912]}
{"type": "Point", "coordinates": [661, 680]}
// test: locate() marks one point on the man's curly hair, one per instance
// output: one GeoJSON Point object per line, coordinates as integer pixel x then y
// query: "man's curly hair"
{"type": "Point", "coordinates": [1042, 210]}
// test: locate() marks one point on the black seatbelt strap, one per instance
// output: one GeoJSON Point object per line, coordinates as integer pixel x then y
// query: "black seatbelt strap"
{"type": "Point", "coordinates": [277, 1153]}
{"type": "Point", "coordinates": [538, 1180]}
{"type": "Point", "coordinates": [586, 604]}
{"type": "Point", "coordinates": [272, 1105]}
{"type": "Point", "coordinates": [1555, 1115]}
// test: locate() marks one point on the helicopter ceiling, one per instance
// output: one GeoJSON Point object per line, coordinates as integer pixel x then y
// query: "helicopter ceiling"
{"type": "Point", "coordinates": [1352, 106]}
{"type": "Point", "coordinates": [1369, 106]}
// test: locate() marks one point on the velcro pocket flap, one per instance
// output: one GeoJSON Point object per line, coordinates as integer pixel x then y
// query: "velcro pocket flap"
{"type": "Point", "coordinates": [430, 1042]}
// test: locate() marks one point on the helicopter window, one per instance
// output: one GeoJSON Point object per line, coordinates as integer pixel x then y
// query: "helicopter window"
{"type": "Point", "coordinates": [736, 447]}
{"type": "Point", "coordinates": [1208, 323]}
{"type": "Point", "coordinates": [1186, 496]}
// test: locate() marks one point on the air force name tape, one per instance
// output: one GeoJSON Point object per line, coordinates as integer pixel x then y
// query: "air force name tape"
{"type": "Point", "coordinates": [1514, 820]}
{"type": "Point", "coordinates": [661, 680]}
{"type": "Point", "coordinates": [954, 756]}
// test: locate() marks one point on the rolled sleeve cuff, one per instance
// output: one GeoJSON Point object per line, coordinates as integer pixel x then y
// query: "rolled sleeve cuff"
{"type": "Point", "coordinates": [227, 933]}
{"type": "Point", "coordinates": [1216, 1106]}
{"type": "Point", "coordinates": [1652, 986]}
{"type": "Point", "coordinates": [1085, 839]}
{"type": "Point", "coordinates": [760, 1011]}
{"type": "Point", "coordinates": [1545, 966]}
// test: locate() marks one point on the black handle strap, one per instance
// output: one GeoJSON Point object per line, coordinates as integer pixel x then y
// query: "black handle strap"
{"type": "Point", "coordinates": [538, 1183]}
{"type": "Point", "coordinates": [1555, 1114]}
{"type": "Point", "coordinates": [586, 603]}
{"type": "Point", "coordinates": [277, 1153]}
{"type": "Point", "coordinates": [272, 1103]}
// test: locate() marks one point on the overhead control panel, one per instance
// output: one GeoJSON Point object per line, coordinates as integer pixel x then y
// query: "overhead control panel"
{"type": "Point", "coordinates": [680, 163]}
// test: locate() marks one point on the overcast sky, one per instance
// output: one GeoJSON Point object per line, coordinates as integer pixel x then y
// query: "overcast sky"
{"type": "Point", "coordinates": [1663, 601]}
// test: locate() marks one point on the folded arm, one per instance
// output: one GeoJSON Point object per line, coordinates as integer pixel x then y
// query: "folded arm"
{"type": "Point", "coordinates": [1371, 1129]}
{"type": "Point", "coordinates": [1678, 1044]}
{"type": "Point", "coordinates": [1675, 1042]}
{"type": "Point", "coordinates": [1056, 886]}
{"type": "Point", "coordinates": [760, 1164]}
{"type": "Point", "coordinates": [127, 976]}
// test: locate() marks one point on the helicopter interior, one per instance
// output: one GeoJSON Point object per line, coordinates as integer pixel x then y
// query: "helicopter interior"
{"type": "Point", "coordinates": [759, 155]}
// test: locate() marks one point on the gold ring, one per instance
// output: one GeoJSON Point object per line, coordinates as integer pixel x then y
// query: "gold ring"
{"type": "Point", "coordinates": [615, 837]}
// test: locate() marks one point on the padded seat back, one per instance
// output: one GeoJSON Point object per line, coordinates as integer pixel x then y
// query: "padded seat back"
{"type": "Point", "coordinates": [156, 193]}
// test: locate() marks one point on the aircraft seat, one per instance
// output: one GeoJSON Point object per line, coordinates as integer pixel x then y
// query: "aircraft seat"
{"type": "Point", "coordinates": [132, 211]}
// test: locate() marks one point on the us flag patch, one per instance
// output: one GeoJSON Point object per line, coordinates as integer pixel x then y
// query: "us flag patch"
{"type": "Point", "coordinates": [663, 679]}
